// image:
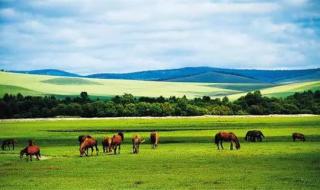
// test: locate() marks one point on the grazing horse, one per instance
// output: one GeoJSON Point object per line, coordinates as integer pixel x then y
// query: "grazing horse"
{"type": "Point", "coordinates": [7, 143]}
{"type": "Point", "coordinates": [116, 143]}
{"type": "Point", "coordinates": [227, 136]}
{"type": "Point", "coordinates": [88, 143]}
{"type": "Point", "coordinates": [30, 151]}
{"type": "Point", "coordinates": [81, 138]}
{"type": "Point", "coordinates": [154, 138]}
{"type": "Point", "coordinates": [136, 141]}
{"type": "Point", "coordinates": [254, 135]}
{"type": "Point", "coordinates": [106, 144]}
{"type": "Point", "coordinates": [299, 136]}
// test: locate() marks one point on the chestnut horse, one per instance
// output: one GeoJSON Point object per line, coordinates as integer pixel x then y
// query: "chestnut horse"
{"type": "Point", "coordinates": [116, 143]}
{"type": "Point", "coordinates": [154, 139]}
{"type": "Point", "coordinates": [299, 136]}
{"type": "Point", "coordinates": [229, 137]}
{"type": "Point", "coordinates": [254, 135]}
{"type": "Point", "coordinates": [136, 141]}
{"type": "Point", "coordinates": [121, 135]}
{"type": "Point", "coordinates": [30, 151]}
{"type": "Point", "coordinates": [7, 143]}
{"type": "Point", "coordinates": [81, 138]}
{"type": "Point", "coordinates": [88, 142]}
{"type": "Point", "coordinates": [106, 144]}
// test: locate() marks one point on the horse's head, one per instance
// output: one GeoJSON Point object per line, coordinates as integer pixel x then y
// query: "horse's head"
{"type": "Point", "coordinates": [22, 152]}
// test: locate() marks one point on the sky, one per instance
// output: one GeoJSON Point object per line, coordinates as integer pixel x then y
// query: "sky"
{"type": "Point", "coordinates": [103, 36]}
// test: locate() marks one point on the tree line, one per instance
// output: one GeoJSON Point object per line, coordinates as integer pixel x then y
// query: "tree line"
{"type": "Point", "coordinates": [19, 106]}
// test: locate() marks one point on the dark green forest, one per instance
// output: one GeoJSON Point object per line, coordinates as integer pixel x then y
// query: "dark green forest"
{"type": "Point", "coordinates": [19, 106]}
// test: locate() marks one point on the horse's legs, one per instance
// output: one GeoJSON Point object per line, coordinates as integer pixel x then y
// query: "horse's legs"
{"type": "Point", "coordinates": [231, 145]}
{"type": "Point", "coordinates": [13, 146]}
{"type": "Point", "coordinates": [221, 145]}
{"type": "Point", "coordinates": [119, 148]}
{"type": "Point", "coordinates": [30, 157]}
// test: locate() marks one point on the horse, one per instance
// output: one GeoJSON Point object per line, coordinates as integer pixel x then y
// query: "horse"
{"type": "Point", "coordinates": [227, 136]}
{"type": "Point", "coordinates": [136, 141]}
{"type": "Point", "coordinates": [106, 144]}
{"type": "Point", "coordinates": [116, 143]}
{"type": "Point", "coordinates": [30, 151]}
{"type": "Point", "coordinates": [121, 135]}
{"type": "Point", "coordinates": [154, 138]}
{"type": "Point", "coordinates": [88, 143]}
{"type": "Point", "coordinates": [254, 135]}
{"type": "Point", "coordinates": [81, 138]}
{"type": "Point", "coordinates": [7, 143]}
{"type": "Point", "coordinates": [299, 136]}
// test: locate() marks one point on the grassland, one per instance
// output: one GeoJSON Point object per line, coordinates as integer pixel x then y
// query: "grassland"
{"type": "Point", "coordinates": [65, 86]}
{"type": "Point", "coordinates": [185, 159]}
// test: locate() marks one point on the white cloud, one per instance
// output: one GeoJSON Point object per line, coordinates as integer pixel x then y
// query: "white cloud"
{"type": "Point", "coordinates": [125, 35]}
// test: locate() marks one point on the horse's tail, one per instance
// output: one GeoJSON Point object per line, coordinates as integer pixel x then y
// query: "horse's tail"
{"type": "Point", "coordinates": [217, 138]}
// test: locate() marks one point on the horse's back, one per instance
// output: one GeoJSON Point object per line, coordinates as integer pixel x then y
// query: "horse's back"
{"type": "Point", "coordinates": [116, 139]}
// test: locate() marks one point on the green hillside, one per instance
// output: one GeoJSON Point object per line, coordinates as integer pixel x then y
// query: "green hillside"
{"type": "Point", "coordinates": [28, 84]}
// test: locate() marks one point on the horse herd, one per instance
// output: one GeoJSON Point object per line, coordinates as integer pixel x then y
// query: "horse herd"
{"type": "Point", "coordinates": [113, 143]}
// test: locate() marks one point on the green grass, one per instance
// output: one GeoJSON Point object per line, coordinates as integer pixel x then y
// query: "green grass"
{"type": "Point", "coordinates": [185, 159]}
{"type": "Point", "coordinates": [16, 89]}
{"type": "Point", "coordinates": [69, 81]}
{"type": "Point", "coordinates": [67, 86]}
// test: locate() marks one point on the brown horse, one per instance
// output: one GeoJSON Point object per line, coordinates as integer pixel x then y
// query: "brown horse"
{"type": "Point", "coordinates": [121, 135]}
{"type": "Point", "coordinates": [136, 141]}
{"type": "Point", "coordinates": [30, 151]}
{"type": "Point", "coordinates": [254, 135]}
{"type": "Point", "coordinates": [106, 144]}
{"type": "Point", "coordinates": [7, 143]}
{"type": "Point", "coordinates": [88, 143]}
{"type": "Point", "coordinates": [154, 139]}
{"type": "Point", "coordinates": [298, 136]}
{"type": "Point", "coordinates": [116, 143]}
{"type": "Point", "coordinates": [81, 138]}
{"type": "Point", "coordinates": [229, 137]}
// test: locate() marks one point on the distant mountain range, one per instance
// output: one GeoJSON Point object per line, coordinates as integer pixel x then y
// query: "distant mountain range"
{"type": "Point", "coordinates": [200, 74]}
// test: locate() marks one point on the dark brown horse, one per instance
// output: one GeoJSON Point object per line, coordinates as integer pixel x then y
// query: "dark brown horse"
{"type": "Point", "coordinates": [298, 136]}
{"type": "Point", "coordinates": [30, 151]}
{"type": "Point", "coordinates": [88, 143]}
{"type": "Point", "coordinates": [136, 141]}
{"type": "Point", "coordinates": [106, 144]}
{"type": "Point", "coordinates": [7, 143]}
{"type": "Point", "coordinates": [116, 143]}
{"type": "Point", "coordinates": [229, 137]}
{"type": "Point", "coordinates": [154, 139]}
{"type": "Point", "coordinates": [254, 135]}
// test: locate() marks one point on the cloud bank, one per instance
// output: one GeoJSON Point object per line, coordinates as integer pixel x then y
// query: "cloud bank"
{"type": "Point", "coordinates": [87, 36]}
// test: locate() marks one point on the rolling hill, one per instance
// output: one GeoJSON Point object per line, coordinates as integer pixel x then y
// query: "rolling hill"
{"type": "Point", "coordinates": [201, 74]}
{"type": "Point", "coordinates": [29, 84]}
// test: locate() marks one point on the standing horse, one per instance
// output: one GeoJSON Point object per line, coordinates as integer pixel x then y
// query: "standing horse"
{"type": "Point", "coordinates": [227, 136]}
{"type": "Point", "coordinates": [136, 141]}
{"type": "Point", "coordinates": [254, 135]}
{"type": "Point", "coordinates": [116, 143]}
{"type": "Point", "coordinates": [106, 144]}
{"type": "Point", "coordinates": [30, 151]}
{"type": "Point", "coordinates": [121, 135]}
{"type": "Point", "coordinates": [154, 139]}
{"type": "Point", "coordinates": [7, 143]}
{"type": "Point", "coordinates": [299, 136]}
{"type": "Point", "coordinates": [86, 144]}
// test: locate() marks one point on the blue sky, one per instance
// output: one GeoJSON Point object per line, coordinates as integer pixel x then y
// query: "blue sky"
{"type": "Point", "coordinates": [87, 36]}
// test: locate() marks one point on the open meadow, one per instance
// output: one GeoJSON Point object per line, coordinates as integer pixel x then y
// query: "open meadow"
{"type": "Point", "coordinates": [186, 158]}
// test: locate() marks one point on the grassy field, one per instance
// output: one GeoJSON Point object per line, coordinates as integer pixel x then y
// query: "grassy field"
{"type": "Point", "coordinates": [185, 159]}
{"type": "Point", "coordinates": [46, 85]}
